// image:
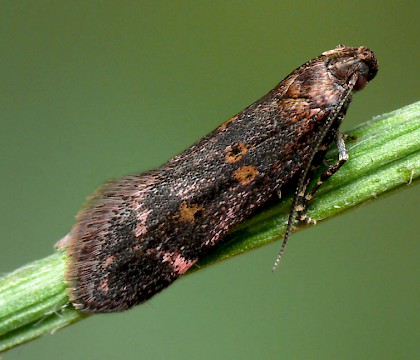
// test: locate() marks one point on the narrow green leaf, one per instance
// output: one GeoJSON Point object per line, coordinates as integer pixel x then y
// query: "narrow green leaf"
{"type": "Point", "coordinates": [384, 158]}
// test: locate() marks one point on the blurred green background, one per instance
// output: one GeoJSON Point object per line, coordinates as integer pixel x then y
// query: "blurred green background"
{"type": "Point", "coordinates": [92, 90]}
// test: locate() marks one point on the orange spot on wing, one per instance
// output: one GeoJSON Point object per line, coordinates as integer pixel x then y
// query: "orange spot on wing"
{"type": "Point", "coordinates": [224, 125]}
{"type": "Point", "coordinates": [245, 174]}
{"type": "Point", "coordinates": [187, 212]}
{"type": "Point", "coordinates": [235, 152]}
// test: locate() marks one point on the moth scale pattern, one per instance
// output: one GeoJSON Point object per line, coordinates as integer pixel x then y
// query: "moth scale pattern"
{"type": "Point", "coordinates": [138, 234]}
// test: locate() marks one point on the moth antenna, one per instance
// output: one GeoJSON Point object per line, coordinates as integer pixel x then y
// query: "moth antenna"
{"type": "Point", "coordinates": [300, 189]}
{"type": "Point", "coordinates": [290, 222]}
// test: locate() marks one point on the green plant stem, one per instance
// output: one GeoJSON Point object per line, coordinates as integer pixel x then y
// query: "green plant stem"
{"type": "Point", "coordinates": [384, 158]}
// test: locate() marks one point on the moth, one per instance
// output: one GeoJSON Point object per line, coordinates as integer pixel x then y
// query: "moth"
{"type": "Point", "coordinates": [138, 234]}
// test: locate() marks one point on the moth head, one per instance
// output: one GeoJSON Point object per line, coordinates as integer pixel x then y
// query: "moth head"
{"type": "Point", "coordinates": [352, 66]}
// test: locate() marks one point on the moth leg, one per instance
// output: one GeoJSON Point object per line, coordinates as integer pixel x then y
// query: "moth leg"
{"type": "Point", "coordinates": [303, 217]}
{"type": "Point", "coordinates": [301, 205]}
{"type": "Point", "coordinates": [302, 197]}
{"type": "Point", "coordinates": [300, 208]}
{"type": "Point", "coordinates": [348, 137]}
{"type": "Point", "coordinates": [296, 208]}
{"type": "Point", "coordinates": [343, 156]}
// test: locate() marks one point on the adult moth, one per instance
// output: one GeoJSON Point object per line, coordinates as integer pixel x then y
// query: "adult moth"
{"type": "Point", "coordinates": [139, 233]}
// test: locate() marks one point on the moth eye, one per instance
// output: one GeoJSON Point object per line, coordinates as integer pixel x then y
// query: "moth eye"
{"type": "Point", "coordinates": [360, 82]}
